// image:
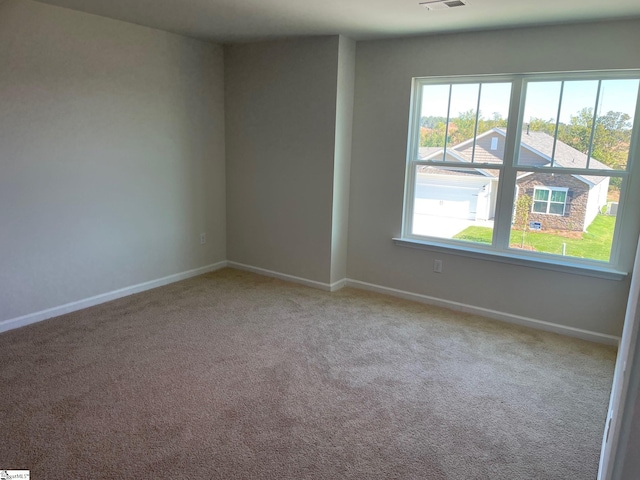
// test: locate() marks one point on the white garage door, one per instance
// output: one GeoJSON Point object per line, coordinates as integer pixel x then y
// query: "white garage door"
{"type": "Point", "coordinates": [451, 201]}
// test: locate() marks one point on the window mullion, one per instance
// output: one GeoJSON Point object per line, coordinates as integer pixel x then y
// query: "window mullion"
{"type": "Point", "coordinates": [555, 133]}
{"type": "Point", "coordinates": [475, 130]}
{"type": "Point", "coordinates": [506, 193]}
{"type": "Point", "coordinates": [593, 124]}
{"type": "Point", "coordinates": [446, 130]}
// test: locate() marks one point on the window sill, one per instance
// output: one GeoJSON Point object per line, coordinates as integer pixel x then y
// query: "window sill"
{"type": "Point", "coordinates": [521, 260]}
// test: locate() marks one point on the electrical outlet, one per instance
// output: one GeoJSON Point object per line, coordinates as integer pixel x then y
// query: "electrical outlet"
{"type": "Point", "coordinates": [437, 266]}
{"type": "Point", "coordinates": [203, 238]}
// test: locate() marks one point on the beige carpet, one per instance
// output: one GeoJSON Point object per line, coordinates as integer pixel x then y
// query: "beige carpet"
{"type": "Point", "coordinates": [236, 376]}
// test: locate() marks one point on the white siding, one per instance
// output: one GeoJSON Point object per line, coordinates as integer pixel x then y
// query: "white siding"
{"type": "Point", "coordinates": [597, 199]}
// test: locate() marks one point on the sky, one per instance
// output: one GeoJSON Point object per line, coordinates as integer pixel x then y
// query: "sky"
{"type": "Point", "coordinates": [542, 98]}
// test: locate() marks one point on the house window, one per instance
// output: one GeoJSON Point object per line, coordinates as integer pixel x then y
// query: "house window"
{"type": "Point", "coordinates": [490, 156]}
{"type": "Point", "coordinates": [549, 200]}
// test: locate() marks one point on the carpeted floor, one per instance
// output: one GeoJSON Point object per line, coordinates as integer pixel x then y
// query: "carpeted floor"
{"type": "Point", "coordinates": [236, 376]}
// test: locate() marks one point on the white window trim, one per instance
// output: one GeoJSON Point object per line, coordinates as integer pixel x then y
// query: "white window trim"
{"type": "Point", "coordinates": [500, 249]}
{"type": "Point", "coordinates": [549, 201]}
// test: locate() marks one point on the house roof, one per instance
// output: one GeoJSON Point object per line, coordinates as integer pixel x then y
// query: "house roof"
{"type": "Point", "coordinates": [539, 143]}
{"type": "Point", "coordinates": [565, 155]}
{"type": "Point", "coordinates": [426, 153]}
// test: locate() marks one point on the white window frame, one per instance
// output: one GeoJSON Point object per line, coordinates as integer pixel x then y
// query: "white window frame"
{"type": "Point", "coordinates": [549, 201]}
{"type": "Point", "coordinates": [509, 169]}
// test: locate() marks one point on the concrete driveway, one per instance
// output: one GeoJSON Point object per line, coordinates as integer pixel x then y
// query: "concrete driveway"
{"type": "Point", "coordinates": [443, 227]}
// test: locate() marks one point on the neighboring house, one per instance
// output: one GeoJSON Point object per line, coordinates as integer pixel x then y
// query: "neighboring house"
{"type": "Point", "coordinates": [560, 201]}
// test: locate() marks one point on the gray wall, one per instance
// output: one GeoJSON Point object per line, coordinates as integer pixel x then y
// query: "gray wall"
{"type": "Point", "coordinates": [111, 156]}
{"type": "Point", "coordinates": [384, 70]}
{"type": "Point", "coordinates": [281, 100]}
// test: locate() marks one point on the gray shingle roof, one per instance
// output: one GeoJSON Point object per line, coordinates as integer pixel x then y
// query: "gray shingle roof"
{"type": "Point", "coordinates": [565, 156]}
{"type": "Point", "coordinates": [542, 143]}
{"type": "Point", "coordinates": [426, 152]}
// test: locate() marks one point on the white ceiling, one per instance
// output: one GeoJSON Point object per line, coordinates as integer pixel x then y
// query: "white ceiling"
{"type": "Point", "coordinates": [246, 20]}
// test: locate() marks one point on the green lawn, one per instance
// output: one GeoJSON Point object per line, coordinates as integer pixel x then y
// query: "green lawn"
{"type": "Point", "coordinates": [594, 244]}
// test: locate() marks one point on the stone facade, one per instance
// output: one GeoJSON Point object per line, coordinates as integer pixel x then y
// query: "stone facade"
{"type": "Point", "coordinates": [576, 205]}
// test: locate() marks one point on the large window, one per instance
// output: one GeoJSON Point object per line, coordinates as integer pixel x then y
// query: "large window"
{"type": "Point", "coordinates": [549, 200]}
{"type": "Point", "coordinates": [528, 165]}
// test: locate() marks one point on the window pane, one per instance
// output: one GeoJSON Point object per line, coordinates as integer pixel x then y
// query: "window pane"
{"type": "Point", "coordinates": [541, 106]}
{"type": "Point", "coordinates": [616, 111]}
{"type": "Point", "coordinates": [541, 194]}
{"type": "Point", "coordinates": [540, 207]}
{"type": "Point", "coordinates": [580, 222]}
{"type": "Point", "coordinates": [455, 203]}
{"type": "Point", "coordinates": [462, 114]}
{"type": "Point", "coordinates": [539, 123]}
{"type": "Point", "coordinates": [558, 196]}
{"type": "Point", "coordinates": [571, 146]}
{"type": "Point", "coordinates": [494, 115]}
{"type": "Point", "coordinates": [433, 121]}
{"type": "Point", "coordinates": [448, 115]}
{"type": "Point", "coordinates": [576, 121]}
{"type": "Point", "coordinates": [556, 208]}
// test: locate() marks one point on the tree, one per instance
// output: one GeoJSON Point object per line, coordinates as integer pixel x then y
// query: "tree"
{"type": "Point", "coordinates": [433, 137]}
{"type": "Point", "coordinates": [612, 139]}
{"type": "Point", "coordinates": [461, 128]}
{"type": "Point", "coordinates": [522, 212]}
{"type": "Point", "coordinates": [431, 122]}
{"type": "Point", "coordinates": [540, 125]}
{"type": "Point", "coordinates": [578, 133]}
{"type": "Point", "coordinates": [465, 127]}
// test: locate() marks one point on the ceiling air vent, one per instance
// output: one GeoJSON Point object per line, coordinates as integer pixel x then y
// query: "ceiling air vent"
{"type": "Point", "coordinates": [443, 4]}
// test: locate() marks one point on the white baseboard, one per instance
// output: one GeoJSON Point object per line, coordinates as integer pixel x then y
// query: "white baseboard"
{"type": "Point", "coordinates": [457, 306]}
{"type": "Point", "coordinates": [104, 297]}
{"type": "Point", "coordinates": [335, 286]}
{"type": "Point", "coordinates": [327, 287]}
{"type": "Point", "coordinates": [486, 312]}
